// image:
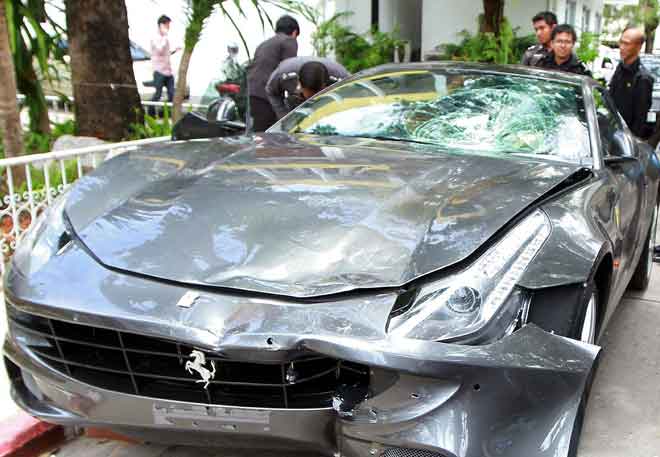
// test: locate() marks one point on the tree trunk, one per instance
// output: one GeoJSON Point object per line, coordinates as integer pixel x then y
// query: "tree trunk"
{"type": "Point", "coordinates": [10, 121]}
{"type": "Point", "coordinates": [493, 16]}
{"type": "Point", "coordinates": [180, 90]}
{"type": "Point", "coordinates": [649, 13]}
{"type": "Point", "coordinates": [106, 100]}
{"type": "Point", "coordinates": [650, 40]}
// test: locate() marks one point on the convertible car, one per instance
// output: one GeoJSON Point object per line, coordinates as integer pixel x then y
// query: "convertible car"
{"type": "Point", "coordinates": [418, 261]}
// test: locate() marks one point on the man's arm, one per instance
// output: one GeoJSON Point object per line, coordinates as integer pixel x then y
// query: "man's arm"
{"type": "Point", "coordinates": [288, 49]}
{"type": "Point", "coordinates": [643, 105]}
{"type": "Point", "coordinates": [275, 93]}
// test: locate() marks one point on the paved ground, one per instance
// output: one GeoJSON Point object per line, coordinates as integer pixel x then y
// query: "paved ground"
{"type": "Point", "coordinates": [623, 417]}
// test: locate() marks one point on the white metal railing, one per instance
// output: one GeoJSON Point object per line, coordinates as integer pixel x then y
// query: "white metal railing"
{"type": "Point", "coordinates": [64, 103]}
{"type": "Point", "coordinates": [30, 183]}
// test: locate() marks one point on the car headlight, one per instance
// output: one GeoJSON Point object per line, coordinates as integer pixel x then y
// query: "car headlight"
{"type": "Point", "coordinates": [463, 304]}
{"type": "Point", "coordinates": [45, 237]}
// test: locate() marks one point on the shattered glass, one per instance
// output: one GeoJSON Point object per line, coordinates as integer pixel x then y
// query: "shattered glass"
{"type": "Point", "coordinates": [459, 111]}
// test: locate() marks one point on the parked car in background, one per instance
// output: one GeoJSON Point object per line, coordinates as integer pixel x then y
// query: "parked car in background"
{"type": "Point", "coordinates": [418, 260]}
{"type": "Point", "coordinates": [605, 64]}
{"type": "Point", "coordinates": [652, 64]}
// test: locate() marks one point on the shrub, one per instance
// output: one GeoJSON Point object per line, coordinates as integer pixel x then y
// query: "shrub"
{"type": "Point", "coordinates": [486, 47]}
{"type": "Point", "coordinates": [152, 127]}
{"type": "Point", "coordinates": [587, 51]}
{"type": "Point", "coordinates": [357, 52]}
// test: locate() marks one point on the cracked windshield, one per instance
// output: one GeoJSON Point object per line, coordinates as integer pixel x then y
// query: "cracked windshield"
{"type": "Point", "coordinates": [459, 111]}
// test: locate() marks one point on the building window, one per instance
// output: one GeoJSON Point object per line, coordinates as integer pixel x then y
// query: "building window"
{"type": "Point", "coordinates": [375, 14]}
{"type": "Point", "coordinates": [586, 19]}
{"type": "Point", "coordinates": [599, 23]}
{"type": "Point", "coordinates": [571, 6]}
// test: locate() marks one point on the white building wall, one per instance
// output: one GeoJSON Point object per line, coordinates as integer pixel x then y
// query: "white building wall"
{"type": "Point", "coordinates": [360, 20]}
{"type": "Point", "coordinates": [406, 15]}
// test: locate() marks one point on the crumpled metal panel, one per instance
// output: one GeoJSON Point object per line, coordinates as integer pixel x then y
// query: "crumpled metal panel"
{"type": "Point", "coordinates": [517, 396]}
{"type": "Point", "coordinates": [303, 216]}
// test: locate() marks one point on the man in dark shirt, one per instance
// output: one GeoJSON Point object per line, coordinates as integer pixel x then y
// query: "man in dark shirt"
{"type": "Point", "coordinates": [266, 58]}
{"type": "Point", "coordinates": [298, 78]}
{"type": "Point", "coordinates": [544, 23]}
{"type": "Point", "coordinates": [631, 86]}
{"type": "Point", "coordinates": [562, 57]}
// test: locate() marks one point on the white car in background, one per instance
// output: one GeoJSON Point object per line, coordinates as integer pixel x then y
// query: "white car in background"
{"type": "Point", "coordinates": [606, 63]}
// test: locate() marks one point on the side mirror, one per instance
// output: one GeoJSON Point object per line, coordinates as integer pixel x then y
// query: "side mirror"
{"type": "Point", "coordinates": [620, 145]}
{"type": "Point", "coordinates": [620, 148]}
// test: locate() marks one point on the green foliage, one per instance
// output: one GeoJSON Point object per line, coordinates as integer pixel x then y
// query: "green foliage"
{"type": "Point", "coordinates": [38, 176]}
{"type": "Point", "coordinates": [322, 37]}
{"type": "Point", "coordinates": [153, 126]}
{"type": "Point", "coordinates": [645, 14]}
{"type": "Point", "coordinates": [34, 38]}
{"type": "Point", "coordinates": [197, 12]}
{"type": "Point", "coordinates": [486, 47]}
{"type": "Point", "coordinates": [36, 142]}
{"type": "Point", "coordinates": [357, 52]}
{"type": "Point", "coordinates": [587, 52]}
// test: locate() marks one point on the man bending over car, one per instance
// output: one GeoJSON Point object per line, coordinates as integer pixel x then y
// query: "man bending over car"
{"type": "Point", "coordinates": [298, 78]}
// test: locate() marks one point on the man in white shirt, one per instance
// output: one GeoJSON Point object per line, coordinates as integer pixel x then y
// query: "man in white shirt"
{"type": "Point", "coordinates": [160, 60]}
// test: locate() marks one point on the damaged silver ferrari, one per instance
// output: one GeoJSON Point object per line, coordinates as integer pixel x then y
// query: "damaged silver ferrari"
{"type": "Point", "coordinates": [417, 261]}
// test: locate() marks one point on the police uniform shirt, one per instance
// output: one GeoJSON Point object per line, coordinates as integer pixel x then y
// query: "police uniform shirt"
{"type": "Point", "coordinates": [572, 65]}
{"type": "Point", "coordinates": [534, 54]}
{"type": "Point", "coordinates": [631, 89]}
{"type": "Point", "coordinates": [283, 82]}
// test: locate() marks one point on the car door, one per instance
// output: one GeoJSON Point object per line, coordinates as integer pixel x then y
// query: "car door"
{"type": "Point", "coordinates": [627, 183]}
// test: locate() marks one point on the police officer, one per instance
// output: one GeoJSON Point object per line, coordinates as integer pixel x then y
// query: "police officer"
{"type": "Point", "coordinates": [631, 86]}
{"type": "Point", "coordinates": [562, 57]}
{"type": "Point", "coordinates": [544, 23]}
{"type": "Point", "coordinates": [298, 78]}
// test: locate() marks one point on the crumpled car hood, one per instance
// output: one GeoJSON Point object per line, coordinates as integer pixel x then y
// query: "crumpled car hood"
{"type": "Point", "coordinates": [299, 216]}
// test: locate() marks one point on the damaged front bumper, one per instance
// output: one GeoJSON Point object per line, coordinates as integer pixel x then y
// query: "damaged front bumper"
{"type": "Point", "coordinates": [520, 396]}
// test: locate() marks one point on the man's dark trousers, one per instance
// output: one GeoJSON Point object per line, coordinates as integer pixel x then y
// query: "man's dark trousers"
{"type": "Point", "coordinates": [262, 113]}
{"type": "Point", "coordinates": [161, 80]}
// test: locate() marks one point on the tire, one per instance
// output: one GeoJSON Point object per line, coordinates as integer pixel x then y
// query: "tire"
{"type": "Point", "coordinates": [589, 327]}
{"type": "Point", "coordinates": [642, 276]}
{"type": "Point", "coordinates": [569, 311]}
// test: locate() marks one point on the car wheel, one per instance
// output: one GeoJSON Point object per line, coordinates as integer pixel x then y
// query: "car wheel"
{"type": "Point", "coordinates": [590, 321]}
{"type": "Point", "coordinates": [642, 276]}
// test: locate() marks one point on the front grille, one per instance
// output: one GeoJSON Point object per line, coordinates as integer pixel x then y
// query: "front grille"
{"type": "Point", "coordinates": [154, 367]}
{"type": "Point", "coordinates": [408, 452]}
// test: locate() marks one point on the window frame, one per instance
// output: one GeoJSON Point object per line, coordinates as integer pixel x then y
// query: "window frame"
{"type": "Point", "coordinates": [617, 116]}
{"type": "Point", "coordinates": [571, 12]}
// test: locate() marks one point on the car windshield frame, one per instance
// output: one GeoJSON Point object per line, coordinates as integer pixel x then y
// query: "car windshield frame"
{"type": "Point", "coordinates": [291, 123]}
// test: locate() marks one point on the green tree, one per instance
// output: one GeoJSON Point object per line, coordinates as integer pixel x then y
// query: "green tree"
{"type": "Point", "coordinates": [648, 12]}
{"type": "Point", "coordinates": [645, 14]}
{"type": "Point", "coordinates": [106, 99]}
{"type": "Point", "coordinates": [31, 44]}
{"type": "Point", "coordinates": [493, 17]}
{"type": "Point", "coordinates": [324, 29]}
{"type": "Point", "coordinates": [198, 12]}
{"type": "Point", "coordinates": [10, 123]}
